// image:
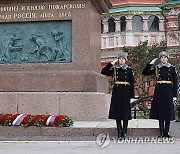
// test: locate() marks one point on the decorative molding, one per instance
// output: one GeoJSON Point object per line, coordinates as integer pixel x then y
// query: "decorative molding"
{"type": "Point", "coordinates": [130, 13]}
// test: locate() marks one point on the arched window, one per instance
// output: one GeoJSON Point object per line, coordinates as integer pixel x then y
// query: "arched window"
{"type": "Point", "coordinates": [111, 25]}
{"type": "Point", "coordinates": [137, 23]}
{"type": "Point", "coordinates": [102, 27]}
{"type": "Point", "coordinates": [153, 23]}
{"type": "Point", "coordinates": [123, 23]}
{"type": "Point", "coordinates": [179, 21]}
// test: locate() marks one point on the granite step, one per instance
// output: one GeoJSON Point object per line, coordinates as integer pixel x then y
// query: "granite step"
{"type": "Point", "coordinates": [136, 127]}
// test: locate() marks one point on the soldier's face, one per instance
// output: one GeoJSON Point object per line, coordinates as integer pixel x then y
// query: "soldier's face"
{"type": "Point", "coordinates": [164, 59]}
{"type": "Point", "coordinates": [122, 61]}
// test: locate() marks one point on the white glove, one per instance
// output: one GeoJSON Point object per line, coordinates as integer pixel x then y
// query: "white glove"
{"type": "Point", "coordinates": [132, 100]}
{"type": "Point", "coordinates": [174, 101]}
{"type": "Point", "coordinates": [153, 61]}
{"type": "Point", "coordinates": [114, 62]}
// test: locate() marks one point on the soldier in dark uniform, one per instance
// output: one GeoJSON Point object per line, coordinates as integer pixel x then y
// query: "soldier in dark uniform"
{"type": "Point", "coordinates": [123, 91]}
{"type": "Point", "coordinates": [165, 92]}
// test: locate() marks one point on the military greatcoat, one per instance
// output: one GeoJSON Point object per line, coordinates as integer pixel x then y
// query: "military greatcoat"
{"type": "Point", "coordinates": [162, 107]}
{"type": "Point", "coordinates": [122, 93]}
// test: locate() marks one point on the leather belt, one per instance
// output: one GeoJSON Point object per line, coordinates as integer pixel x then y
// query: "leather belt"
{"type": "Point", "coordinates": [122, 82]}
{"type": "Point", "coordinates": [163, 81]}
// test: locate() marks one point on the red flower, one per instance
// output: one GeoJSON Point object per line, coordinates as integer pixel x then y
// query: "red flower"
{"type": "Point", "coordinates": [45, 119]}
{"type": "Point", "coordinates": [25, 120]}
{"type": "Point", "coordinates": [5, 117]}
{"type": "Point", "coordinates": [59, 119]}
{"type": "Point", "coordinates": [36, 118]}
{"type": "Point", "coordinates": [14, 116]}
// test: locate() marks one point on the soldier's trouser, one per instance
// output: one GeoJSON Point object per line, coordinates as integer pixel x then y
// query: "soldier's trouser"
{"type": "Point", "coordinates": [122, 130]}
{"type": "Point", "coordinates": [164, 128]}
{"type": "Point", "coordinates": [161, 128]}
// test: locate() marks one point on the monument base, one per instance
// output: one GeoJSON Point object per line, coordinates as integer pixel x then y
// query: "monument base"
{"type": "Point", "coordinates": [52, 81]}
{"type": "Point", "coordinates": [78, 105]}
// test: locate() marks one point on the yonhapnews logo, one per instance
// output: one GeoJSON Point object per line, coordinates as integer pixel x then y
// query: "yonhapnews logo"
{"type": "Point", "coordinates": [103, 140]}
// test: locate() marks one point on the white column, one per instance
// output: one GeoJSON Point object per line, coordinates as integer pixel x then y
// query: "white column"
{"type": "Point", "coordinates": [107, 42]}
{"type": "Point", "coordinates": [129, 25]}
{"type": "Point", "coordinates": [103, 42]}
{"type": "Point", "coordinates": [105, 25]}
{"type": "Point", "coordinates": [161, 25]}
{"type": "Point", "coordinates": [118, 26]}
{"type": "Point", "coordinates": [122, 40]}
{"type": "Point", "coordinates": [145, 24]}
{"type": "Point", "coordinates": [116, 40]}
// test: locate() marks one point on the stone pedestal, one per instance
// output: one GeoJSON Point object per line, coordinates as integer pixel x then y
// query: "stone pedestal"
{"type": "Point", "coordinates": [75, 87]}
{"type": "Point", "coordinates": [78, 105]}
{"type": "Point", "coordinates": [49, 80]}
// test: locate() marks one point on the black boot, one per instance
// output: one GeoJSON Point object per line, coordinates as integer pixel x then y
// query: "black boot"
{"type": "Point", "coordinates": [166, 132]}
{"type": "Point", "coordinates": [124, 132]}
{"type": "Point", "coordinates": [119, 128]}
{"type": "Point", "coordinates": [161, 128]}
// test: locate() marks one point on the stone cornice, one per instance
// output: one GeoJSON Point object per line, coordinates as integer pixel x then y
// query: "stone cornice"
{"type": "Point", "coordinates": [130, 13]}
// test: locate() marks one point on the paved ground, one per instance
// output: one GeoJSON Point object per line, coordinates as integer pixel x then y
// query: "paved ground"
{"type": "Point", "coordinates": [88, 147]}
{"type": "Point", "coordinates": [134, 123]}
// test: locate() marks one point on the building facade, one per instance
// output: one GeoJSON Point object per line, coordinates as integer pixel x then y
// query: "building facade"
{"type": "Point", "coordinates": [171, 11]}
{"type": "Point", "coordinates": [130, 22]}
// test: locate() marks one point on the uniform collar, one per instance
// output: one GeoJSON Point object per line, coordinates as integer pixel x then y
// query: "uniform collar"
{"type": "Point", "coordinates": [123, 66]}
{"type": "Point", "coordinates": [166, 65]}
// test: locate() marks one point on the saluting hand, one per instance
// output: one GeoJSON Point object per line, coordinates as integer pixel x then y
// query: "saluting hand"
{"type": "Point", "coordinates": [114, 62]}
{"type": "Point", "coordinates": [133, 100]}
{"type": "Point", "coordinates": [153, 61]}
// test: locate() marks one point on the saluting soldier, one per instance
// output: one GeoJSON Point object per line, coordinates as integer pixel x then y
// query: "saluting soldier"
{"type": "Point", "coordinates": [123, 91]}
{"type": "Point", "coordinates": [165, 93]}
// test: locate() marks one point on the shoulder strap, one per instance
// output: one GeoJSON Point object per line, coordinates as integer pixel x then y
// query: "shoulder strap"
{"type": "Point", "coordinates": [114, 75]}
{"type": "Point", "coordinates": [156, 73]}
